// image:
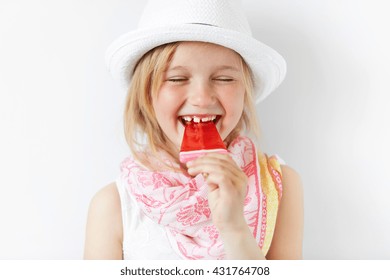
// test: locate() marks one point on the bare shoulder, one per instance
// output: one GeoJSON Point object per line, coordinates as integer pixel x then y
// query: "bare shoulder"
{"type": "Point", "coordinates": [291, 179]}
{"type": "Point", "coordinates": [288, 236]}
{"type": "Point", "coordinates": [104, 225]}
{"type": "Point", "coordinates": [106, 198]}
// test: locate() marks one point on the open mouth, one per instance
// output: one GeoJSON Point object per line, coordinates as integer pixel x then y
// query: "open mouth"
{"type": "Point", "coordinates": [199, 119]}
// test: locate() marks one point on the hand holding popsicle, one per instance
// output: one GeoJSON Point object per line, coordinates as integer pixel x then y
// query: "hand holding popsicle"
{"type": "Point", "coordinates": [227, 189]}
{"type": "Point", "coordinates": [204, 152]}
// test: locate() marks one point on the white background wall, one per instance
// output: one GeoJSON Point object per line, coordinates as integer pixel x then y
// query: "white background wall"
{"type": "Point", "coordinates": [61, 129]}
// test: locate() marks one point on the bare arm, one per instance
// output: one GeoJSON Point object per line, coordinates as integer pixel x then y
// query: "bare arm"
{"type": "Point", "coordinates": [288, 237]}
{"type": "Point", "coordinates": [241, 245]}
{"type": "Point", "coordinates": [227, 189]}
{"type": "Point", "coordinates": [104, 226]}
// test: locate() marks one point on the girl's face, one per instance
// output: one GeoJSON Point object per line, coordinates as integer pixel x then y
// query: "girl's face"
{"type": "Point", "coordinates": [205, 81]}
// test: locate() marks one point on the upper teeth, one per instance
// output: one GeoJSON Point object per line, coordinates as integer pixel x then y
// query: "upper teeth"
{"type": "Point", "coordinates": [198, 119]}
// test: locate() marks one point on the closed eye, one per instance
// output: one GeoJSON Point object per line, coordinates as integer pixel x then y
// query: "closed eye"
{"type": "Point", "coordinates": [223, 79]}
{"type": "Point", "coordinates": [177, 80]}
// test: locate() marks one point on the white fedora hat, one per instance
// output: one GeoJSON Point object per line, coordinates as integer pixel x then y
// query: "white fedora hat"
{"type": "Point", "coordinates": [221, 22]}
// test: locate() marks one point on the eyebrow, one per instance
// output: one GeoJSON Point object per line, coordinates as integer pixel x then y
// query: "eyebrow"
{"type": "Point", "coordinates": [228, 67]}
{"type": "Point", "coordinates": [179, 67]}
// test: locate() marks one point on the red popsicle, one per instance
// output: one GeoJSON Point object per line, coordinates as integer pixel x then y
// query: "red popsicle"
{"type": "Point", "coordinates": [199, 139]}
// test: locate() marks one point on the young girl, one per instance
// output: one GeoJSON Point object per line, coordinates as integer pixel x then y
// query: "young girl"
{"type": "Point", "coordinates": [195, 61]}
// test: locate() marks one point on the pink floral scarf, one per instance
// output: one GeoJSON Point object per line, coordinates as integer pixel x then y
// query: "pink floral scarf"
{"type": "Point", "coordinates": [179, 203]}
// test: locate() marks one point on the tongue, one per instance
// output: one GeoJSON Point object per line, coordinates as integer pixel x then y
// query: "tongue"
{"type": "Point", "coordinates": [199, 139]}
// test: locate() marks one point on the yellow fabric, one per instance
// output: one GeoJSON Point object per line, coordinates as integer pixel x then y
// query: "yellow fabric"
{"type": "Point", "coordinates": [271, 175]}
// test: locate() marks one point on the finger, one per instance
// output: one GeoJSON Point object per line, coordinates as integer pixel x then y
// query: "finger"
{"type": "Point", "coordinates": [215, 156]}
{"type": "Point", "coordinates": [213, 166]}
{"type": "Point", "coordinates": [223, 170]}
{"type": "Point", "coordinates": [223, 175]}
{"type": "Point", "coordinates": [213, 159]}
{"type": "Point", "coordinates": [226, 188]}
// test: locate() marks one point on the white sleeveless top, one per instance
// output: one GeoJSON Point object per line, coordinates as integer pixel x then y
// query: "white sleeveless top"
{"type": "Point", "coordinates": [143, 239]}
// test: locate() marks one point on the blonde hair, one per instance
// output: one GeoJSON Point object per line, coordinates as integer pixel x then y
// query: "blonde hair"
{"type": "Point", "coordinates": [140, 123]}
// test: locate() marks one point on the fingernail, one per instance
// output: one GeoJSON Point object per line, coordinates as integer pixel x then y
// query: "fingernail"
{"type": "Point", "coordinates": [190, 163]}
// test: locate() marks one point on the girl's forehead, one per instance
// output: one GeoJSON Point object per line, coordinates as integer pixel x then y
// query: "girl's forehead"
{"type": "Point", "coordinates": [199, 47]}
{"type": "Point", "coordinates": [200, 53]}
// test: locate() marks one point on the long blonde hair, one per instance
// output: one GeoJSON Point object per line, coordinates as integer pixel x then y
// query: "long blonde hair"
{"type": "Point", "coordinates": [140, 123]}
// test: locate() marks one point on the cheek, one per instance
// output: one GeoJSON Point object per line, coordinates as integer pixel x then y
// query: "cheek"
{"type": "Point", "coordinates": [166, 106]}
{"type": "Point", "coordinates": [163, 104]}
{"type": "Point", "coordinates": [234, 105]}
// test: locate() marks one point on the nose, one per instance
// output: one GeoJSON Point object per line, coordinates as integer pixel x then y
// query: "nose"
{"type": "Point", "coordinates": [202, 95]}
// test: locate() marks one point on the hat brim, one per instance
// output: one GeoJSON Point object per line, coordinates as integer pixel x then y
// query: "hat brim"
{"type": "Point", "coordinates": [268, 66]}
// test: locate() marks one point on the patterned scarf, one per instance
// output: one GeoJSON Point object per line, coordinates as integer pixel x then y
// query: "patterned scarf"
{"type": "Point", "coordinates": [179, 203]}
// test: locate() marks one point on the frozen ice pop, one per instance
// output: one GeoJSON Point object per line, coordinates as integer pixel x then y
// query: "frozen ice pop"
{"type": "Point", "coordinates": [199, 139]}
